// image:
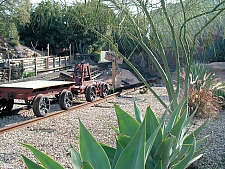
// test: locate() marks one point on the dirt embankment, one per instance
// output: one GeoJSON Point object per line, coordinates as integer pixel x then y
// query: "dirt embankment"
{"type": "Point", "coordinates": [17, 51]}
{"type": "Point", "coordinates": [219, 69]}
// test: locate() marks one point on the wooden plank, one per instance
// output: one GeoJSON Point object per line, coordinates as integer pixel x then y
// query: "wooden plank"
{"type": "Point", "coordinates": [37, 84]}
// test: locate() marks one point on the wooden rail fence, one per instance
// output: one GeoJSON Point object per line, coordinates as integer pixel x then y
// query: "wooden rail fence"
{"type": "Point", "coordinates": [35, 65]}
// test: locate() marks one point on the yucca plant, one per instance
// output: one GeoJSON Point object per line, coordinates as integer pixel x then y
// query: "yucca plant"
{"type": "Point", "coordinates": [146, 143]}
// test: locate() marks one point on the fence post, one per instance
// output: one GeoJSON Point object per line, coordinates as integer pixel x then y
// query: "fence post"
{"type": "Point", "coordinates": [9, 73]}
{"type": "Point", "coordinates": [65, 60]}
{"type": "Point", "coordinates": [35, 64]}
{"type": "Point", "coordinates": [47, 62]}
{"type": "Point", "coordinates": [54, 63]}
{"type": "Point", "coordinates": [113, 73]}
{"type": "Point", "coordinates": [71, 59]}
{"type": "Point", "coordinates": [60, 62]}
{"type": "Point", "coordinates": [22, 64]}
{"type": "Point", "coordinates": [48, 48]}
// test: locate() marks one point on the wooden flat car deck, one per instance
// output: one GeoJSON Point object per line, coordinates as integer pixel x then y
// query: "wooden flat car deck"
{"type": "Point", "coordinates": [23, 90]}
{"type": "Point", "coordinates": [37, 84]}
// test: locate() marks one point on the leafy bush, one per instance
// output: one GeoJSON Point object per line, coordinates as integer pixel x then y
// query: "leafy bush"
{"type": "Point", "coordinates": [206, 92]}
{"type": "Point", "coordinates": [14, 42]}
{"type": "Point", "coordinates": [140, 143]}
{"type": "Point", "coordinates": [28, 74]}
{"type": "Point", "coordinates": [96, 56]}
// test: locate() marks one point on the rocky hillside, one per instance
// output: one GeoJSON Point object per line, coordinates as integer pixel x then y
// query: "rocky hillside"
{"type": "Point", "coordinates": [15, 51]}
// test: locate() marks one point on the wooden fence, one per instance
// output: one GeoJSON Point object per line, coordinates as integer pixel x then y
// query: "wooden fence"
{"type": "Point", "coordinates": [35, 65]}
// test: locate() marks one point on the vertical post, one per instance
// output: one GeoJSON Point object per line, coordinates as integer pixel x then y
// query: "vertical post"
{"type": "Point", "coordinates": [35, 57]}
{"type": "Point", "coordinates": [60, 61]}
{"type": "Point", "coordinates": [54, 63]}
{"type": "Point", "coordinates": [71, 58]}
{"type": "Point", "coordinates": [9, 72]}
{"type": "Point", "coordinates": [113, 73]}
{"type": "Point", "coordinates": [9, 75]}
{"type": "Point", "coordinates": [48, 48]}
{"type": "Point", "coordinates": [35, 64]}
{"type": "Point", "coordinates": [47, 62]}
{"type": "Point", "coordinates": [22, 62]}
{"type": "Point", "coordinates": [65, 60]}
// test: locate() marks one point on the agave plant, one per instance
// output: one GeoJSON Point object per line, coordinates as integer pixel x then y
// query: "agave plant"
{"type": "Point", "coordinates": [143, 143]}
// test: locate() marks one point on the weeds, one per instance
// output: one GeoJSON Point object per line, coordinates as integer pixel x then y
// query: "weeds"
{"type": "Point", "coordinates": [206, 92]}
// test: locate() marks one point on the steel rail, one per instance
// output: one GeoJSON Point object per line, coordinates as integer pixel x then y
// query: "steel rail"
{"type": "Point", "coordinates": [58, 113]}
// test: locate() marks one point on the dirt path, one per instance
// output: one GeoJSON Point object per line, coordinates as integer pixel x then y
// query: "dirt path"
{"type": "Point", "coordinates": [219, 69]}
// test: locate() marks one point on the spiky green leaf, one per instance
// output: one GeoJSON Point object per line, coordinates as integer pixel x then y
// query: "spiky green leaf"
{"type": "Point", "coordinates": [91, 150]}
{"type": "Point", "coordinates": [188, 141]}
{"type": "Point", "coordinates": [134, 153]}
{"type": "Point", "coordinates": [75, 157]}
{"type": "Point", "coordinates": [178, 127]}
{"type": "Point", "coordinates": [201, 141]}
{"type": "Point", "coordinates": [86, 165]}
{"type": "Point", "coordinates": [152, 124]}
{"type": "Point", "coordinates": [30, 164]}
{"type": "Point", "coordinates": [127, 124]}
{"type": "Point", "coordinates": [113, 127]}
{"type": "Point", "coordinates": [110, 151]}
{"type": "Point", "coordinates": [123, 140]}
{"type": "Point", "coordinates": [137, 112]}
{"type": "Point", "coordinates": [183, 163]}
{"type": "Point", "coordinates": [164, 150]}
{"type": "Point", "coordinates": [174, 117]}
{"type": "Point", "coordinates": [200, 128]}
{"type": "Point", "coordinates": [158, 165]}
{"type": "Point", "coordinates": [149, 163]}
{"type": "Point", "coordinates": [44, 159]}
{"type": "Point", "coordinates": [119, 150]}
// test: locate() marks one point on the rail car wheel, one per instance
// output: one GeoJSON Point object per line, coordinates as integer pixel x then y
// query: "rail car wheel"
{"type": "Point", "coordinates": [65, 99]}
{"type": "Point", "coordinates": [90, 93]}
{"type": "Point", "coordinates": [41, 105]}
{"type": "Point", "coordinates": [104, 90]}
{"type": "Point", "coordinates": [6, 106]}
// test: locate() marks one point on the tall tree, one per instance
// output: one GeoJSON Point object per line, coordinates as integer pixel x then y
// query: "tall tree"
{"type": "Point", "coordinates": [77, 15]}
{"type": "Point", "coordinates": [60, 24]}
{"type": "Point", "coordinates": [12, 14]}
{"type": "Point", "coordinates": [46, 26]}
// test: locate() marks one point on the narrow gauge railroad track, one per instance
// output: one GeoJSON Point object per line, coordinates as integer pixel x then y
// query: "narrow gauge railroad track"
{"type": "Point", "coordinates": [117, 92]}
{"type": "Point", "coordinates": [58, 113]}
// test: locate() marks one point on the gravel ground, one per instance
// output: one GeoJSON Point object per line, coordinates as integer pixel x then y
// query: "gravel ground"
{"type": "Point", "coordinates": [54, 136]}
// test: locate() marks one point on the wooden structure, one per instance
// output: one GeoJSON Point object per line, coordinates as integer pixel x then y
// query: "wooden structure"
{"type": "Point", "coordinates": [114, 58]}
{"type": "Point", "coordinates": [36, 65]}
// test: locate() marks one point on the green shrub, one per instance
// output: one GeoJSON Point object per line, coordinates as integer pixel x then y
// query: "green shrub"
{"type": "Point", "coordinates": [14, 42]}
{"type": "Point", "coordinates": [206, 92]}
{"type": "Point", "coordinates": [28, 74]}
{"type": "Point", "coordinates": [140, 143]}
{"type": "Point", "coordinates": [96, 56]}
